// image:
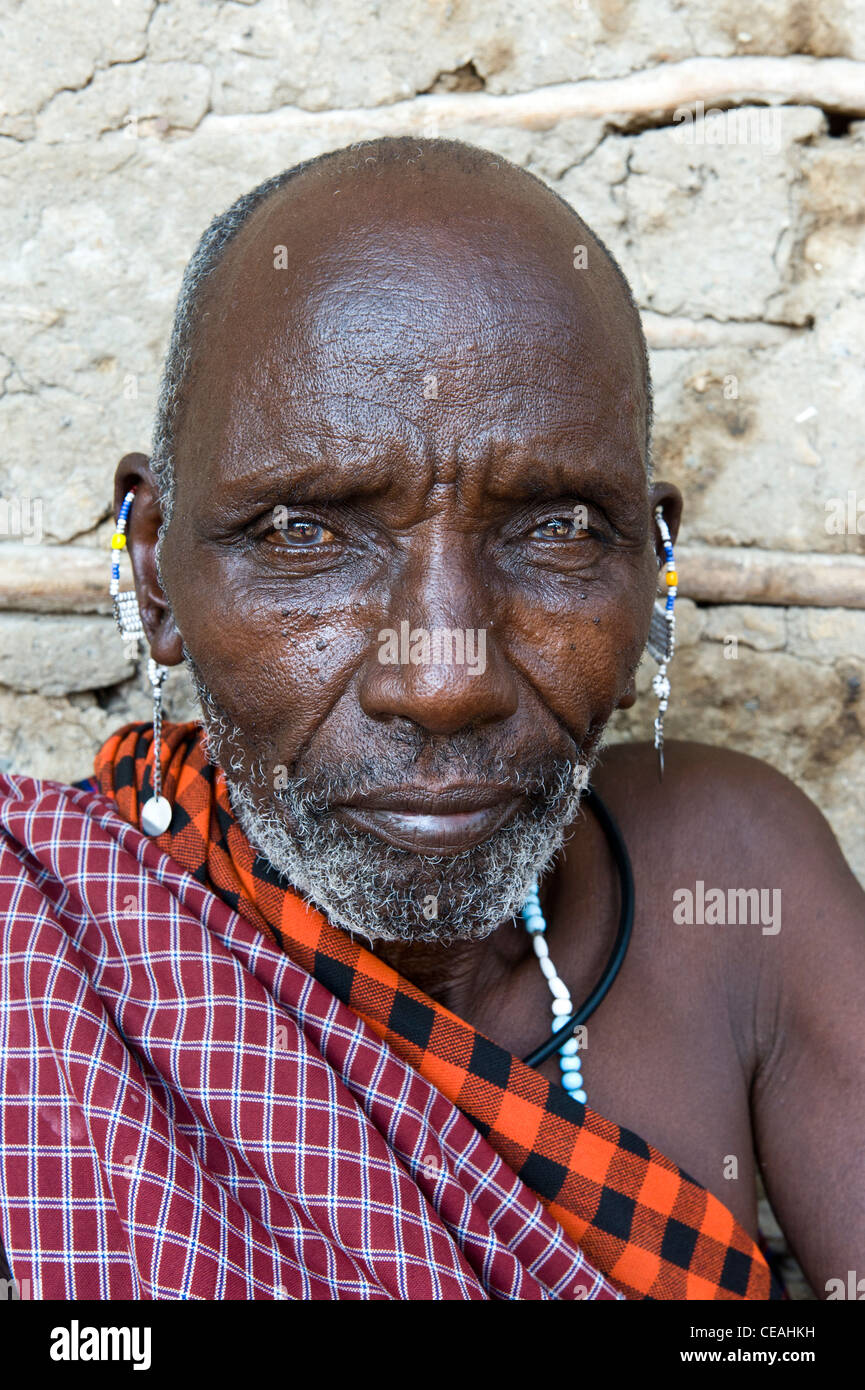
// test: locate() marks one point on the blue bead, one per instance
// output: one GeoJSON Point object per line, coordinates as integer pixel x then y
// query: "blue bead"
{"type": "Point", "coordinates": [571, 1082]}
{"type": "Point", "coordinates": [570, 1063]}
{"type": "Point", "coordinates": [579, 1095]}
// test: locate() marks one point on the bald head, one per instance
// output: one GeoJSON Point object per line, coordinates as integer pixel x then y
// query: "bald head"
{"type": "Point", "coordinates": [431, 258]}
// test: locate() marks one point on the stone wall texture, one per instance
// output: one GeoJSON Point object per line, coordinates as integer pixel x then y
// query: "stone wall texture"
{"type": "Point", "coordinates": [126, 126]}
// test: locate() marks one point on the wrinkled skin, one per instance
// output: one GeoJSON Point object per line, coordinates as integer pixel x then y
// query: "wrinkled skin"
{"type": "Point", "coordinates": [428, 388]}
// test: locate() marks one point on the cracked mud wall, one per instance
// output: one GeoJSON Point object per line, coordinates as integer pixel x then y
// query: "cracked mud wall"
{"type": "Point", "coordinates": [124, 128]}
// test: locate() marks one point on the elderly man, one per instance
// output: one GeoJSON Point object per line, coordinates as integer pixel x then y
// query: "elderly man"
{"type": "Point", "coordinates": [267, 991]}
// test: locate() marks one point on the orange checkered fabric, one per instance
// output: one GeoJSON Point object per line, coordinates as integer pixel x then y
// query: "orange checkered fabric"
{"type": "Point", "coordinates": [648, 1227]}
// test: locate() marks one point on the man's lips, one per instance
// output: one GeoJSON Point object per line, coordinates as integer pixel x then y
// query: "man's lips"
{"type": "Point", "coordinates": [443, 821]}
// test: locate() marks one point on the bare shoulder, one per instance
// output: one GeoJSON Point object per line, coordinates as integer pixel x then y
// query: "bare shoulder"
{"type": "Point", "coordinates": [743, 884]}
{"type": "Point", "coordinates": [730, 809]}
{"type": "Point", "coordinates": [749, 948]}
{"type": "Point", "coordinates": [724, 824]}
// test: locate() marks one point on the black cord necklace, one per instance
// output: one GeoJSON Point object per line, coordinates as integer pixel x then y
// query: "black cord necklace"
{"type": "Point", "coordinates": [623, 935]}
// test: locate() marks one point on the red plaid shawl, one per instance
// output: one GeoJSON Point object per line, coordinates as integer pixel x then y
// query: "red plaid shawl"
{"type": "Point", "coordinates": [186, 1113]}
{"type": "Point", "coordinates": [648, 1227]}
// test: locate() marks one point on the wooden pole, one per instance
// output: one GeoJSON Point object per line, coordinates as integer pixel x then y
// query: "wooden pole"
{"type": "Point", "coordinates": [74, 578]}
{"type": "Point", "coordinates": [654, 94]}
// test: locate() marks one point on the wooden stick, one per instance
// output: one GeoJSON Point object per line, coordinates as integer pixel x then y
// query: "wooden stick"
{"type": "Point", "coordinates": [663, 331]}
{"type": "Point", "coordinates": [74, 578]}
{"type": "Point", "coordinates": [835, 84]}
{"type": "Point", "coordinates": [54, 578]}
{"type": "Point", "coordinates": [717, 574]}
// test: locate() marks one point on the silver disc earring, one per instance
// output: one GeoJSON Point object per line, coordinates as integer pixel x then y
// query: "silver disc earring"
{"type": "Point", "coordinates": [157, 811]}
{"type": "Point", "coordinates": [662, 635]}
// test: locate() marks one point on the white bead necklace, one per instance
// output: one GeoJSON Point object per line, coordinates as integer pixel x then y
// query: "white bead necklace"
{"type": "Point", "coordinates": [563, 1009]}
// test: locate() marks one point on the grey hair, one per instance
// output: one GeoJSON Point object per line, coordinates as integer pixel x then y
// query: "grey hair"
{"type": "Point", "coordinates": [205, 259]}
{"type": "Point", "coordinates": [225, 227]}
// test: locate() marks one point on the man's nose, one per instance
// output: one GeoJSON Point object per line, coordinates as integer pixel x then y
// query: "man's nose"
{"type": "Point", "coordinates": [437, 658]}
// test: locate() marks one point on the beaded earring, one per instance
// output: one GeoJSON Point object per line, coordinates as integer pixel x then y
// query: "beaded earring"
{"type": "Point", "coordinates": [662, 635]}
{"type": "Point", "coordinates": [157, 811]}
{"type": "Point", "coordinates": [126, 610]}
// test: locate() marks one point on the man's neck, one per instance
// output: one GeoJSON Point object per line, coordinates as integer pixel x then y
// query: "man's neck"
{"type": "Point", "coordinates": [454, 973]}
{"type": "Point", "coordinates": [445, 973]}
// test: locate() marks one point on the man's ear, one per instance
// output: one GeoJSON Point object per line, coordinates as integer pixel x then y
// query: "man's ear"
{"type": "Point", "coordinates": [142, 530]}
{"type": "Point", "coordinates": [667, 496]}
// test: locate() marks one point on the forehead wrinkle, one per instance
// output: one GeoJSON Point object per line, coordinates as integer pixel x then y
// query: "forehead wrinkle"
{"type": "Point", "coordinates": [484, 361]}
{"type": "Point", "coordinates": [336, 444]}
{"type": "Point", "coordinates": [587, 394]}
{"type": "Point", "coordinates": [472, 379]}
{"type": "Point", "coordinates": [373, 337]}
{"type": "Point", "coordinates": [569, 353]}
{"type": "Point", "coordinates": [536, 468]}
{"type": "Point", "coordinates": [291, 480]}
{"type": "Point", "coordinates": [390, 466]}
{"type": "Point", "coordinates": [264, 438]}
{"type": "Point", "coordinates": [330, 421]}
{"type": "Point", "coordinates": [426, 298]}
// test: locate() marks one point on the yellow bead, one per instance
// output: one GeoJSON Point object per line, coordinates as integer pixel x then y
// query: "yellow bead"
{"type": "Point", "coordinates": [118, 541]}
{"type": "Point", "coordinates": [672, 577]}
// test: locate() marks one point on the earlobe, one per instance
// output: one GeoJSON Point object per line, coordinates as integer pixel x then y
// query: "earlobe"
{"type": "Point", "coordinates": [142, 534]}
{"type": "Point", "coordinates": [166, 643]}
{"type": "Point", "coordinates": [630, 696]}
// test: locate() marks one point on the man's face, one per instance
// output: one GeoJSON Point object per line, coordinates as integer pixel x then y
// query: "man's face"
{"type": "Point", "coordinates": [411, 552]}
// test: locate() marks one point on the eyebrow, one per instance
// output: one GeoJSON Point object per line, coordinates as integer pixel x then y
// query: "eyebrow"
{"type": "Point", "coordinates": [333, 460]}
{"type": "Point", "coordinates": [295, 464]}
{"type": "Point", "coordinates": [292, 484]}
{"type": "Point", "coordinates": [534, 472]}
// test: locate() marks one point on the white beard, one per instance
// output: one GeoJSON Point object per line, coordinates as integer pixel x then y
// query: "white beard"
{"type": "Point", "coordinates": [380, 891]}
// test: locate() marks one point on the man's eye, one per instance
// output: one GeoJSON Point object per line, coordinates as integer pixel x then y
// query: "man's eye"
{"type": "Point", "coordinates": [559, 528]}
{"type": "Point", "coordinates": [299, 533]}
